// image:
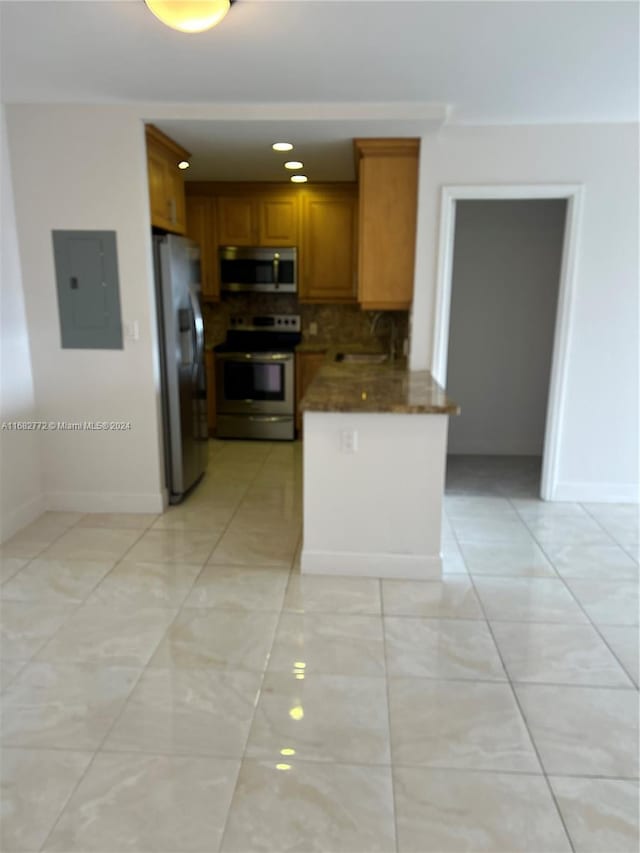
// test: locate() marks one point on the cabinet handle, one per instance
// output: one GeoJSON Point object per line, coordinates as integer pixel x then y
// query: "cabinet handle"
{"type": "Point", "coordinates": [172, 211]}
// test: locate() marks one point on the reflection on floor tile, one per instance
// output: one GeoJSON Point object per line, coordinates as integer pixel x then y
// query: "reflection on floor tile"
{"type": "Point", "coordinates": [607, 602]}
{"type": "Point", "coordinates": [188, 711]}
{"type": "Point", "coordinates": [458, 725]}
{"type": "Point", "coordinates": [55, 581]}
{"type": "Point", "coordinates": [504, 559]}
{"type": "Point", "coordinates": [321, 718]}
{"type": "Point", "coordinates": [312, 807]}
{"type": "Point", "coordinates": [597, 562]}
{"type": "Point", "coordinates": [67, 706]}
{"type": "Point", "coordinates": [448, 811]}
{"type": "Point", "coordinates": [441, 648]}
{"type": "Point", "coordinates": [102, 634]}
{"type": "Point", "coordinates": [10, 565]}
{"type": "Point", "coordinates": [171, 546]}
{"type": "Point", "coordinates": [315, 593]}
{"type": "Point", "coordinates": [557, 654]}
{"type": "Point", "coordinates": [528, 600]}
{"type": "Point", "coordinates": [187, 797]}
{"type": "Point", "coordinates": [452, 598]}
{"type": "Point", "coordinates": [239, 588]}
{"type": "Point", "coordinates": [591, 731]}
{"type": "Point", "coordinates": [25, 627]}
{"type": "Point", "coordinates": [624, 642]}
{"type": "Point", "coordinates": [119, 520]}
{"type": "Point", "coordinates": [133, 584]}
{"type": "Point", "coordinates": [147, 660]}
{"type": "Point", "coordinates": [100, 544]}
{"type": "Point", "coordinates": [35, 786]}
{"type": "Point", "coordinates": [224, 639]}
{"type": "Point", "coordinates": [600, 814]}
{"type": "Point", "coordinates": [329, 643]}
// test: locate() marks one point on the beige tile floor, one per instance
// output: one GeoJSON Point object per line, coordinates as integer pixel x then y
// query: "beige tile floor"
{"type": "Point", "coordinates": [172, 684]}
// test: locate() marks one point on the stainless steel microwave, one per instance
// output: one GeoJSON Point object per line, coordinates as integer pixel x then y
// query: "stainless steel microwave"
{"type": "Point", "coordinates": [258, 270]}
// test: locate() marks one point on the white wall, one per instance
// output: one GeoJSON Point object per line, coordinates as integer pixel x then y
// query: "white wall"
{"type": "Point", "coordinates": [506, 272]}
{"type": "Point", "coordinates": [21, 489]}
{"type": "Point", "coordinates": [598, 457]}
{"type": "Point", "coordinates": [85, 168]}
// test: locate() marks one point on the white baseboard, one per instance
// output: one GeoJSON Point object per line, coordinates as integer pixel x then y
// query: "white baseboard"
{"type": "Point", "coordinates": [104, 502]}
{"type": "Point", "coordinates": [399, 566]}
{"type": "Point", "coordinates": [21, 516]}
{"type": "Point", "coordinates": [605, 493]}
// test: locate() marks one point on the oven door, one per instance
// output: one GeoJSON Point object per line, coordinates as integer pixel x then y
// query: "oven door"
{"type": "Point", "coordinates": [255, 382]}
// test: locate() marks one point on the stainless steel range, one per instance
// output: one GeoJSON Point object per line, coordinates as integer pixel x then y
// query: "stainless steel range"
{"type": "Point", "coordinates": [255, 370]}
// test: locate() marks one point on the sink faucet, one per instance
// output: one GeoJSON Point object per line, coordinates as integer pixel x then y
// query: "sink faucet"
{"type": "Point", "coordinates": [393, 330]}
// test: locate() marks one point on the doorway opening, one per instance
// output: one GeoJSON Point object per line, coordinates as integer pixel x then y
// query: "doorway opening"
{"type": "Point", "coordinates": [505, 287]}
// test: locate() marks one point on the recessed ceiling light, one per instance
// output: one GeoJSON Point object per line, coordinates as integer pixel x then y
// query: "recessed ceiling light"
{"type": "Point", "coordinates": [282, 146]}
{"type": "Point", "coordinates": [299, 179]}
{"type": "Point", "coordinates": [183, 164]}
{"type": "Point", "coordinates": [293, 164]}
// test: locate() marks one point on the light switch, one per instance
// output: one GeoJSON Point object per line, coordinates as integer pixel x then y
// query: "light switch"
{"type": "Point", "coordinates": [349, 441]}
{"type": "Point", "coordinates": [132, 330]}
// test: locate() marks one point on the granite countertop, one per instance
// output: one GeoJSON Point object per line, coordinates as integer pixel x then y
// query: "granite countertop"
{"type": "Point", "coordinates": [391, 388]}
{"type": "Point", "coordinates": [311, 346]}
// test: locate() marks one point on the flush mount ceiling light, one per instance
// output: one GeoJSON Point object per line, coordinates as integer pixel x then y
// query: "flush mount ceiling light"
{"type": "Point", "coordinates": [189, 16]}
{"type": "Point", "coordinates": [299, 179]}
{"type": "Point", "coordinates": [282, 146]}
{"type": "Point", "coordinates": [293, 164]}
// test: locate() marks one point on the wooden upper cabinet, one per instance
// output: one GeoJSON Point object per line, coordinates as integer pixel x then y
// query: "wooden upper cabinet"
{"type": "Point", "coordinates": [237, 221]}
{"type": "Point", "coordinates": [166, 181]}
{"type": "Point", "coordinates": [278, 221]}
{"type": "Point", "coordinates": [201, 227]}
{"type": "Point", "coordinates": [328, 251]}
{"type": "Point", "coordinates": [388, 179]}
{"type": "Point", "coordinates": [248, 218]}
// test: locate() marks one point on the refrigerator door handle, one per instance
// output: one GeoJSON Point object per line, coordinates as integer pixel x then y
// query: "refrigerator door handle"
{"type": "Point", "coordinates": [198, 325]}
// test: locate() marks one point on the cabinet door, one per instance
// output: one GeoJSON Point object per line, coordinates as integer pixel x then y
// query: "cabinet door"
{"type": "Point", "coordinates": [278, 221]}
{"type": "Point", "coordinates": [201, 228]}
{"type": "Point", "coordinates": [237, 221]}
{"type": "Point", "coordinates": [307, 365]}
{"type": "Point", "coordinates": [158, 190]}
{"type": "Point", "coordinates": [328, 247]}
{"type": "Point", "coordinates": [388, 174]}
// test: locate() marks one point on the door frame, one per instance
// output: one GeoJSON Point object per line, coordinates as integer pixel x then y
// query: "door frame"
{"type": "Point", "coordinates": [574, 194]}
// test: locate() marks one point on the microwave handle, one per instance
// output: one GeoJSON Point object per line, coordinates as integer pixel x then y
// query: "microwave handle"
{"type": "Point", "coordinates": [276, 269]}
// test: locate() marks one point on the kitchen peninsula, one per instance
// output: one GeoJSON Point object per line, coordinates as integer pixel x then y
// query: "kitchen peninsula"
{"type": "Point", "coordinates": [374, 467]}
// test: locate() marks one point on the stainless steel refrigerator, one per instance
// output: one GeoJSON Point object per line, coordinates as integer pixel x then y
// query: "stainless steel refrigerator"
{"type": "Point", "coordinates": [184, 387]}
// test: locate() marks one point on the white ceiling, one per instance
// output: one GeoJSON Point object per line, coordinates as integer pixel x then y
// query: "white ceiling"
{"type": "Point", "coordinates": [491, 62]}
{"type": "Point", "coordinates": [241, 150]}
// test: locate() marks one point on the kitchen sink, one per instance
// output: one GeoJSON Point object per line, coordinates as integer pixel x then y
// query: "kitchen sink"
{"type": "Point", "coordinates": [362, 357]}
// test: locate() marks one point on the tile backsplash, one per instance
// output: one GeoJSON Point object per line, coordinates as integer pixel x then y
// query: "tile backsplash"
{"type": "Point", "coordinates": [336, 323]}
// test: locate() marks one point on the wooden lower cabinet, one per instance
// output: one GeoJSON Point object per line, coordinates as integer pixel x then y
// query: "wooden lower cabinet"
{"type": "Point", "coordinates": [307, 365]}
{"type": "Point", "coordinates": [210, 368]}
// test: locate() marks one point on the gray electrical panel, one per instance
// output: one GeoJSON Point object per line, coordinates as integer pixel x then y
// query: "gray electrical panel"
{"type": "Point", "coordinates": [88, 290]}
